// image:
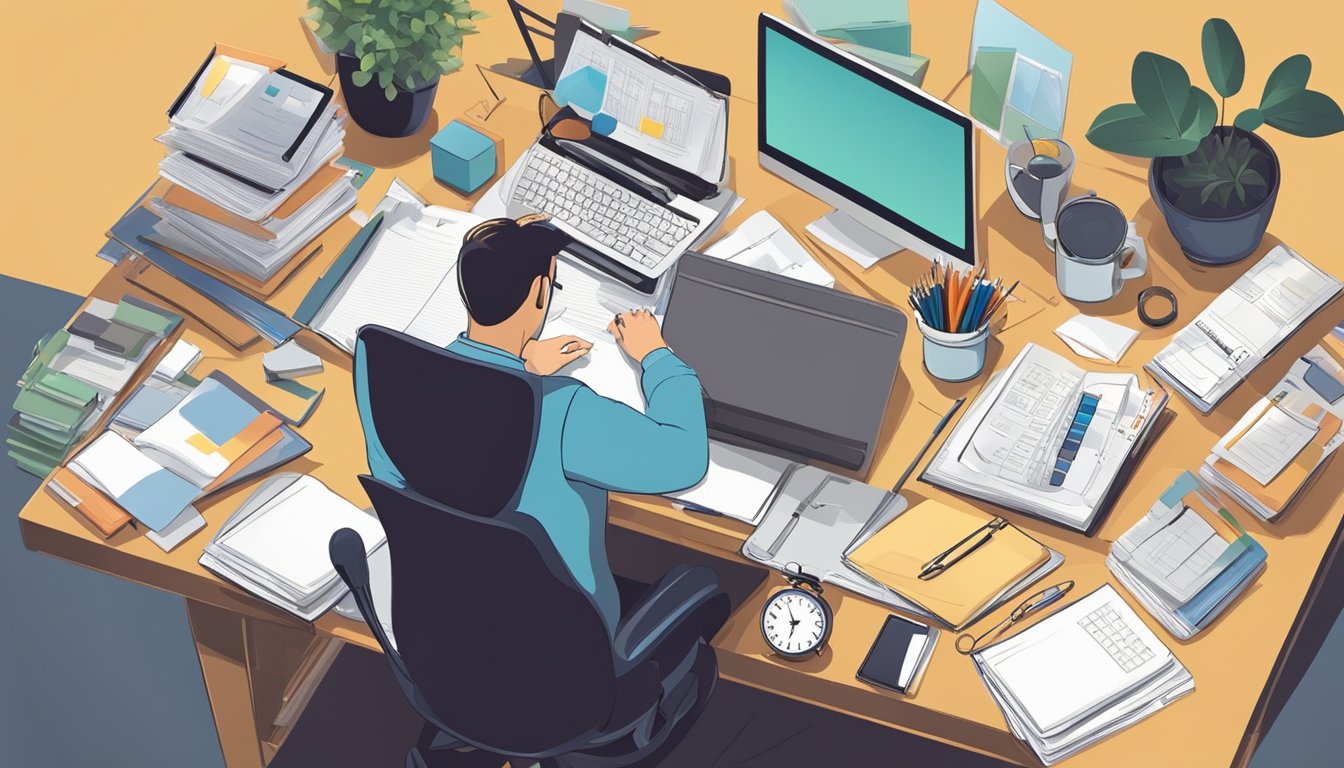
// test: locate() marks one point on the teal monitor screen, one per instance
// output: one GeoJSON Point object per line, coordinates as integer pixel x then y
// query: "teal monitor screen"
{"type": "Point", "coordinates": [895, 151]}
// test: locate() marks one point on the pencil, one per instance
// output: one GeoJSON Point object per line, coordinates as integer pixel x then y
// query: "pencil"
{"type": "Point", "coordinates": [1001, 301]}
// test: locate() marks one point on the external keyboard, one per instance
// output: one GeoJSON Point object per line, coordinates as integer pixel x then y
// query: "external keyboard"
{"type": "Point", "coordinates": [619, 223]}
{"type": "Point", "coordinates": [1116, 638]}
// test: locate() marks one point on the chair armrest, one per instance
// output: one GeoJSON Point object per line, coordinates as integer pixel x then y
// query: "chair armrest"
{"type": "Point", "coordinates": [685, 594]}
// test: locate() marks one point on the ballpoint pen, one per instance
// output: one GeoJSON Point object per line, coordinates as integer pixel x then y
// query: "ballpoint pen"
{"type": "Point", "coordinates": [937, 430]}
{"type": "Point", "coordinates": [962, 549]}
{"type": "Point", "coordinates": [967, 643]}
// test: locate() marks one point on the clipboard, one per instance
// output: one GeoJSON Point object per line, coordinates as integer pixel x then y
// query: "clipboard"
{"type": "Point", "coordinates": [273, 64]}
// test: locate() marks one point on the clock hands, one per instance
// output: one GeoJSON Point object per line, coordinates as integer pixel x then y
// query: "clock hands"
{"type": "Point", "coordinates": [793, 623]}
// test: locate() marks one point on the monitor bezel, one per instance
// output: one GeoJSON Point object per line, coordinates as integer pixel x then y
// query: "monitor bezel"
{"type": "Point", "coordinates": [836, 192]}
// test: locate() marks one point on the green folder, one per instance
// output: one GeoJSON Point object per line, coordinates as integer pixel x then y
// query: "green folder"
{"type": "Point", "coordinates": [54, 412]}
{"type": "Point", "coordinates": [47, 349]}
{"type": "Point", "coordinates": [845, 14]}
{"type": "Point", "coordinates": [141, 318]}
{"type": "Point", "coordinates": [36, 451]}
{"type": "Point", "coordinates": [66, 388]}
{"type": "Point", "coordinates": [889, 36]}
{"type": "Point", "coordinates": [30, 464]}
{"type": "Point", "coordinates": [50, 434]}
{"type": "Point", "coordinates": [990, 73]}
{"type": "Point", "coordinates": [911, 69]}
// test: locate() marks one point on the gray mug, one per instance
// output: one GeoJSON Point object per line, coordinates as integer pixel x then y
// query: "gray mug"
{"type": "Point", "coordinates": [1028, 185]}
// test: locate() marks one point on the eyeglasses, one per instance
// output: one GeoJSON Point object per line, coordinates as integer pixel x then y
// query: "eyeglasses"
{"type": "Point", "coordinates": [968, 643]}
{"type": "Point", "coordinates": [973, 541]}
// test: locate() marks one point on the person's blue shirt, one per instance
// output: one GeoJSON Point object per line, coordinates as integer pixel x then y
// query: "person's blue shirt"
{"type": "Point", "coordinates": [587, 445]}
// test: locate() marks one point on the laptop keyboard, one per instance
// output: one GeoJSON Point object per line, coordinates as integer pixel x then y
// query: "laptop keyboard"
{"type": "Point", "coordinates": [1116, 638]}
{"type": "Point", "coordinates": [642, 231]}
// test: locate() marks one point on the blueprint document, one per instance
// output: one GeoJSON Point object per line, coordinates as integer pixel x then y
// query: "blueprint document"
{"type": "Point", "coordinates": [656, 112]}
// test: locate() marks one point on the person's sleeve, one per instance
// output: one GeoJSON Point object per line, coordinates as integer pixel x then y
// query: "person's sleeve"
{"type": "Point", "coordinates": [611, 445]}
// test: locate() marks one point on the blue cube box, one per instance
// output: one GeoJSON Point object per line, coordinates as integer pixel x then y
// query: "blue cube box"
{"type": "Point", "coordinates": [463, 157]}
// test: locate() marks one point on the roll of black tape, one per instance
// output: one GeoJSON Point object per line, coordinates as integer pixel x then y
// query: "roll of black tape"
{"type": "Point", "coordinates": [1152, 292]}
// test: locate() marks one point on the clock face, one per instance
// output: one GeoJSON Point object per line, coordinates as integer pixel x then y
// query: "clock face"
{"type": "Point", "coordinates": [795, 623]}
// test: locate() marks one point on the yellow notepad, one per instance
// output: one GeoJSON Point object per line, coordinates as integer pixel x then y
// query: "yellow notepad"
{"type": "Point", "coordinates": [896, 554]}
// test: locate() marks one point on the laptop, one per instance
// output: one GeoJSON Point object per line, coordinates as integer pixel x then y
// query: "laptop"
{"type": "Point", "coordinates": [637, 192]}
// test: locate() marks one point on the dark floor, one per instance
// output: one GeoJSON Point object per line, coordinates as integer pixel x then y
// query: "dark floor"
{"type": "Point", "coordinates": [99, 672]}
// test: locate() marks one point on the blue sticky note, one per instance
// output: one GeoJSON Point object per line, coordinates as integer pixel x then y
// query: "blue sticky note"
{"type": "Point", "coordinates": [583, 88]}
{"type": "Point", "coordinates": [603, 124]}
{"type": "Point", "coordinates": [217, 412]}
{"type": "Point", "coordinates": [271, 90]}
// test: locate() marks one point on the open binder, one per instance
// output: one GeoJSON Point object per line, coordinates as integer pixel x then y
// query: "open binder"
{"type": "Point", "coordinates": [1050, 440]}
{"type": "Point", "coordinates": [817, 519]}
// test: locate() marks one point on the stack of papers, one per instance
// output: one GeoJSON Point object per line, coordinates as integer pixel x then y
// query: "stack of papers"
{"type": "Point", "coordinates": [1273, 452]}
{"type": "Point", "coordinates": [179, 361]}
{"type": "Point", "coordinates": [1178, 566]}
{"type": "Point", "coordinates": [1243, 326]}
{"type": "Point", "coordinates": [250, 163]}
{"type": "Point", "coordinates": [73, 378]}
{"type": "Point", "coordinates": [761, 242]}
{"type": "Point", "coordinates": [170, 446]}
{"type": "Point", "coordinates": [1081, 674]}
{"type": "Point", "coordinates": [275, 545]}
{"type": "Point", "coordinates": [1049, 439]}
{"type": "Point", "coordinates": [739, 483]}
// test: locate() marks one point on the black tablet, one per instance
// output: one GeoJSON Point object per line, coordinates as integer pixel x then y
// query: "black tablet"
{"type": "Point", "coordinates": [898, 656]}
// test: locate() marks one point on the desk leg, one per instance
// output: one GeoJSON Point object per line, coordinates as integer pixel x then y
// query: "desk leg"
{"type": "Point", "coordinates": [248, 665]}
{"type": "Point", "coordinates": [221, 644]}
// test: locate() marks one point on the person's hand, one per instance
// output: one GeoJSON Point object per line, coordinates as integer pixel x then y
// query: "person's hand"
{"type": "Point", "coordinates": [546, 356]}
{"type": "Point", "coordinates": [638, 333]}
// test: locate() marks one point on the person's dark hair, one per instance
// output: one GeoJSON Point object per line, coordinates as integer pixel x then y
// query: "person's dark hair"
{"type": "Point", "coordinates": [498, 262]}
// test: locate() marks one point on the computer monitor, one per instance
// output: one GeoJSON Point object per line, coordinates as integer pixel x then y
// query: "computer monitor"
{"type": "Point", "coordinates": [896, 163]}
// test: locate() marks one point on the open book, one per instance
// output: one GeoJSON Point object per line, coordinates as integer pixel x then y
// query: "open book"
{"type": "Point", "coordinates": [1273, 452]}
{"type": "Point", "coordinates": [1049, 439]}
{"type": "Point", "coordinates": [1243, 326]}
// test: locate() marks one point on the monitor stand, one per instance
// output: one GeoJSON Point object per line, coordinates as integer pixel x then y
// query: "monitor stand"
{"type": "Point", "coordinates": [846, 234]}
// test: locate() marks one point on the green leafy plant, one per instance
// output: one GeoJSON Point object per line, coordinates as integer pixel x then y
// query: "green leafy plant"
{"type": "Point", "coordinates": [405, 44]}
{"type": "Point", "coordinates": [1220, 166]}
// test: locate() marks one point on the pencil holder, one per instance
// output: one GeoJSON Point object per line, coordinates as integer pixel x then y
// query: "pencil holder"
{"type": "Point", "coordinates": [953, 356]}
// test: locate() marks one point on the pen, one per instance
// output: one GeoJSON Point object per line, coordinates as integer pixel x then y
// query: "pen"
{"type": "Point", "coordinates": [937, 430]}
{"type": "Point", "coordinates": [687, 506]}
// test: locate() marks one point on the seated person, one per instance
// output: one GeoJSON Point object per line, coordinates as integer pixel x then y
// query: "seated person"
{"type": "Point", "coordinates": [587, 444]}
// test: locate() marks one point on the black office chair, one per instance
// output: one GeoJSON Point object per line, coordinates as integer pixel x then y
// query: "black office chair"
{"type": "Point", "coordinates": [496, 644]}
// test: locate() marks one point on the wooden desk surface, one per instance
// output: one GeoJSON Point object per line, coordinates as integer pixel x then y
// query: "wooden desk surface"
{"type": "Point", "coordinates": [1233, 664]}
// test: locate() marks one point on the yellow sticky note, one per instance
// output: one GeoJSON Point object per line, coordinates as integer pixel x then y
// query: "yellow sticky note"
{"type": "Point", "coordinates": [218, 69]}
{"type": "Point", "coordinates": [651, 127]}
{"type": "Point", "coordinates": [202, 443]}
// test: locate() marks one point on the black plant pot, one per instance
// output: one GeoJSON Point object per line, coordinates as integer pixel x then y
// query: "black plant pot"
{"type": "Point", "coordinates": [370, 109]}
{"type": "Point", "coordinates": [1204, 236]}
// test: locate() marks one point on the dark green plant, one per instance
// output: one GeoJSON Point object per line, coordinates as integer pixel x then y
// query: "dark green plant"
{"type": "Point", "coordinates": [403, 43]}
{"type": "Point", "coordinates": [1172, 118]}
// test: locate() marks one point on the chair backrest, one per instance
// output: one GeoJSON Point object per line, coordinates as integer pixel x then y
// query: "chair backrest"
{"type": "Point", "coordinates": [459, 431]}
{"type": "Point", "coordinates": [504, 648]}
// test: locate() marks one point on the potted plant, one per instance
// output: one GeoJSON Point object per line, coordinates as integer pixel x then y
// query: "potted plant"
{"type": "Point", "coordinates": [1215, 183]}
{"type": "Point", "coordinates": [390, 55]}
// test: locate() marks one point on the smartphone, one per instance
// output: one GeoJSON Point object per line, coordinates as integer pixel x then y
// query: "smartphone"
{"type": "Point", "coordinates": [899, 655]}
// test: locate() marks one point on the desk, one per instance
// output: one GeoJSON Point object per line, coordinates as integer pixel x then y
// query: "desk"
{"type": "Point", "coordinates": [250, 651]}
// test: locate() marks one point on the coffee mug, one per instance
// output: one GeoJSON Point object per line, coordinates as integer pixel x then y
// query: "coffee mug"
{"type": "Point", "coordinates": [1035, 169]}
{"type": "Point", "coordinates": [1096, 248]}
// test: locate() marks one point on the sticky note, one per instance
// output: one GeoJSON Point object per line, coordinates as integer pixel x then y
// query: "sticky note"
{"type": "Point", "coordinates": [202, 443]}
{"type": "Point", "coordinates": [584, 88]}
{"type": "Point", "coordinates": [218, 69]}
{"type": "Point", "coordinates": [272, 90]}
{"type": "Point", "coordinates": [651, 127]}
{"type": "Point", "coordinates": [603, 124]}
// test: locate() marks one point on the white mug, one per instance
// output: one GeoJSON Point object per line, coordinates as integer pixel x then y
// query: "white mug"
{"type": "Point", "coordinates": [1096, 249]}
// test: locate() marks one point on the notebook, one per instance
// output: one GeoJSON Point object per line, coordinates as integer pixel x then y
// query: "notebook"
{"type": "Point", "coordinates": [1049, 439]}
{"type": "Point", "coordinates": [1274, 451]}
{"type": "Point", "coordinates": [1209, 357]}
{"type": "Point", "coordinates": [1080, 674]}
{"type": "Point", "coordinates": [896, 554]}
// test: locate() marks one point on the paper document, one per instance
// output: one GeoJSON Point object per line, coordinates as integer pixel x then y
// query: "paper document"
{"type": "Point", "coordinates": [1270, 443]}
{"type": "Point", "coordinates": [1096, 337]}
{"type": "Point", "coordinates": [1173, 549]}
{"type": "Point", "coordinates": [761, 242]}
{"type": "Point", "coordinates": [656, 112]}
{"type": "Point", "coordinates": [1244, 325]}
{"type": "Point", "coordinates": [738, 483]}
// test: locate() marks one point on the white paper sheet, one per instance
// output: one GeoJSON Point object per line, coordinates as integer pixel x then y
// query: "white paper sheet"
{"type": "Point", "coordinates": [1096, 337]}
{"type": "Point", "coordinates": [737, 484]}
